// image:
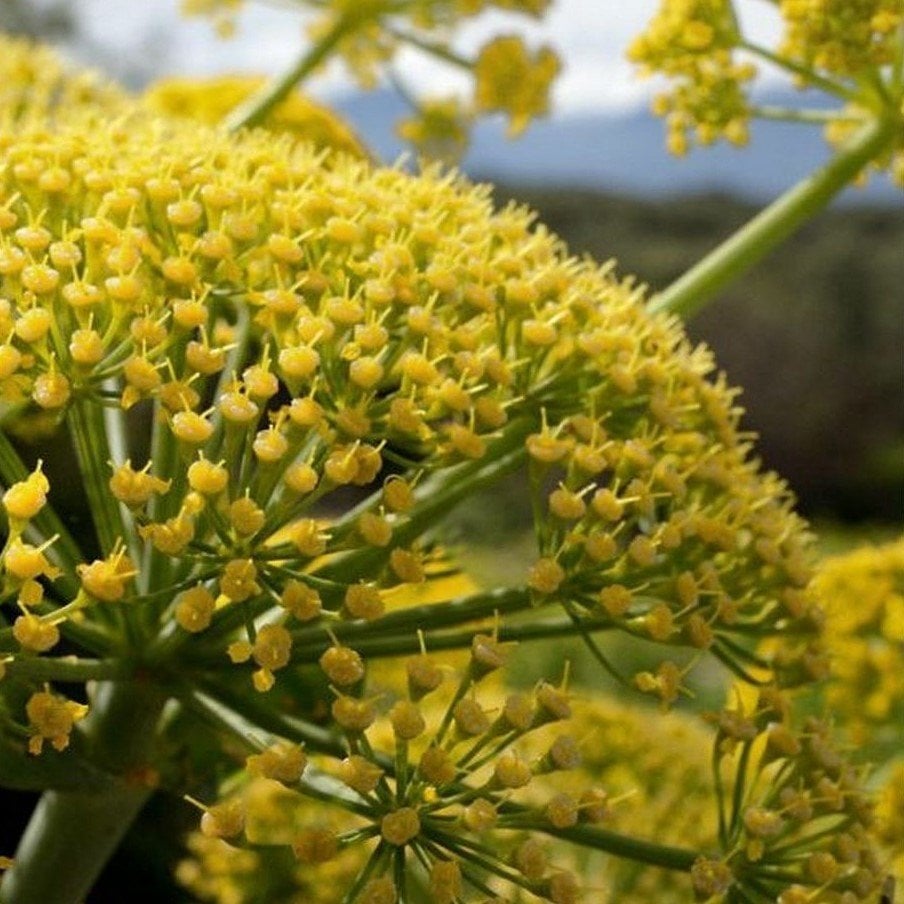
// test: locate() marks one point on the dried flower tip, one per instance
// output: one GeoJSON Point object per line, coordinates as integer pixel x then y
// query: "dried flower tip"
{"type": "Point", "coordinates": [406, 720]}
{"type": "Point", "coordinates": [352, 714]}
{"type": "Point", "coordinates": [518, 713]}
{"type": "Point", "coordinates": [445, 881]}
{"type": "Point", "coordinates": [593, 806]}
{"type": "Point", "coordinates": [283, 762]}
{"type": "Point", "coordinates": [363, 601]}
{"type": "Point", "coordinates": [343, 666]}
{"type": "Point", "coordinates": [470, 718]}
{"type": "Point", "coordinates": [562, 811]}
{"type": "Point", "coordinates": [400, 826]}
{"type": "Point", "coordinates": [511, 771]}
{"type": "Point", "coordinates": [379, 891]}
{"type": "Point", "coordinates": [546, 576]}
{"type": "Point", "coordinates": [562, 888]}
{"type": "Point", "coordinates": [407, 566]}
{"type": "Point", "coordinates": [487, 655]}
{"type": "Point", "coordinates": [360, 774]}
{"type": "Point", "coordinates": [710, 877]}
{"type": "Point", "coordinates": [480, 816]}
{"type": "Point", "coordinates": [437, 766]}
{"type": "Point", "coordinates": [424, 676]}
{"type": "Point", "coordinates": [530, 859]}
{"type": "Point", "coordinates": [552, 704]}
{"type": "Point", "coordinates": [563, 754]}
{"type": "Point", "coordinates": [302, 601]}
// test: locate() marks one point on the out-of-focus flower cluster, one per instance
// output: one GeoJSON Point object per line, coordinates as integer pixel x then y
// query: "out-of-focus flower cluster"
{"type": "Point", "coordinates": [508, 77]}
{"type": "Point", "coordinates": [862, 595]}
{"type": "Point", "coordinates": [211, 100]}
{"type": "Point", "coordinates": [318, 361]}
{"type": "Point", "coordinates": [693, 42]}
{"type": "Point", "coordinates": [853, 50]}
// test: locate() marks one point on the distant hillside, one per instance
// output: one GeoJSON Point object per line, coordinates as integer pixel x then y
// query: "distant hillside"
{"type": "Point", "coordinates": [624, 153]}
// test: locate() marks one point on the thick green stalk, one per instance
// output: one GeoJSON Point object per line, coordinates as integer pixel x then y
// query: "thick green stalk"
{"type": "Point", "coordinates": [774, 224]}
{"type": "Point", "coordinates": [255, 110]}
{"type": "Point", "coordinates": [72, 834]}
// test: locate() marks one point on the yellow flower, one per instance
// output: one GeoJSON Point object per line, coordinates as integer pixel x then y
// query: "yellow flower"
{"type": "Point", "coordinates": [510, 80]}
{"type": "Point", "coordinates": [211, 100]}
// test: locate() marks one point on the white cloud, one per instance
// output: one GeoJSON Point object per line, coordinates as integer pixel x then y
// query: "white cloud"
{"type": "Point", "coordinates": [146, 39]}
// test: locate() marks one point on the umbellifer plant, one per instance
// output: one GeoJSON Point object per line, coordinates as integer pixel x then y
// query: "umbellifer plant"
{"type": "Point", "coordinates": [280, 370]}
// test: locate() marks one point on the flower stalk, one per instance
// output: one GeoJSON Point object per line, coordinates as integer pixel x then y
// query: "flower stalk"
{"type": "Point", "coordinates": [773, 225]}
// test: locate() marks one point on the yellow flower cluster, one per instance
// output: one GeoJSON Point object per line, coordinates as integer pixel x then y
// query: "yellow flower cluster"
{"type": "Point", "coordinates": [211, 100]}
{"type": "Point", "coordinates": [794, 824]}
{"type": "Point", "coordinates": [850, 48]}
{"type": "Point", "coordinates": [842, 37]}
{"type": "Point", "coordinates": [442, 795]}
{"type": "Point", "coordinates": [693, 42]}
{"type": "Point", "coordinates": [862, 595]}
{"type": "Point", "coordinates": [297, 323]}
{"type": "Point", "coordinates": [508, 78]}
{"type": "Point", "coordinates": [439, 129]}
{"type": "Point", "coordinates": [317, 360]}
{"type": "Point", "coordinates": [511, 80]}
{"type": "Point", "coordinates": [36, 83]}
{"type": "Point", "coordinates": [656, 772]}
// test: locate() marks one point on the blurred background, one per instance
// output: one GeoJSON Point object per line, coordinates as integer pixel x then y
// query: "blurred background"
{"type": "Point", "coordinates": [814, 334]}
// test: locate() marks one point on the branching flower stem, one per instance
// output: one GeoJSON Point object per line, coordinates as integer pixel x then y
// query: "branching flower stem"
{"type": "Point", "coordinates": [769, 228]}
{"type": "Point", "coordinates": [254, 111]}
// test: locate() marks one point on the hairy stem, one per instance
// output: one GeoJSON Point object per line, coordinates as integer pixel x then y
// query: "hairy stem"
{"type": "Point", "coordinates": [773, 225]}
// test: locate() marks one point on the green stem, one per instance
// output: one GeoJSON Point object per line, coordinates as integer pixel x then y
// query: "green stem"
{"type": "Point", "coordinates": [440, 51]}
{"type": "Point", "coordinates": [774, 224]}
{"type": "Point", "coordinates": [639, 850]}
{"type": "Point", "coordinates": [69, 668]}
{"type": "Point", "coordinates": [65, 552]}
{"type": "Point", "coordinates": [800, 70]}
{"type": "Point", "coordinates": [437, 496]}
{"type": "Point", "coordinates": [72, 834]}
{"type": "Point", "coordinates": [814, 117]}
{"type": "Point", "coordinates": [636, 849]}
{"type": "Point", "coordinates": [256, 108]}
{"type": "Point", "coordinates": [88, 429]}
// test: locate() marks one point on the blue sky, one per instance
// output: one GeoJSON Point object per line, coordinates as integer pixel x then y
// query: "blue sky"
{"type": "Point", "coordinates": [591, 35]}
